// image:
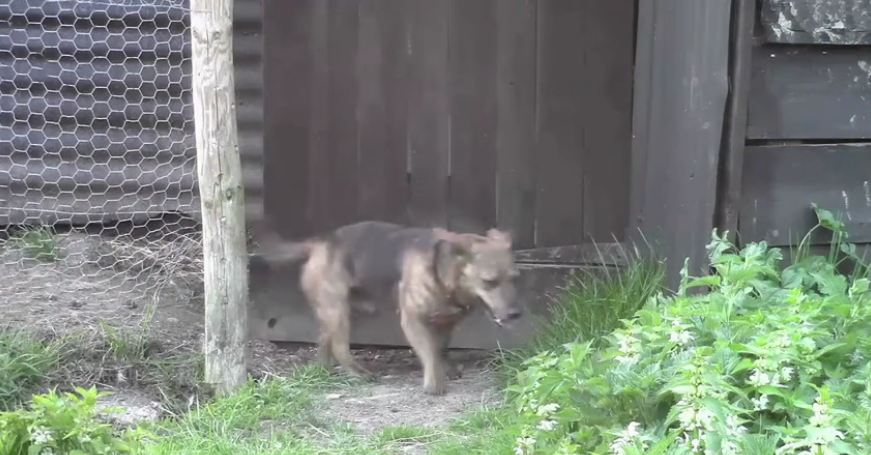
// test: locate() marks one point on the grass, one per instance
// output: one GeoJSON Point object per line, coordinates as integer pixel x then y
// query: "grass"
{"type": "Point", "coordinates": [25, 363]}
{"type": "Point", "coordinates": [591, 305]}
{"type": "Point", "coordinates": [271, 416]}
{"type": "Point", "coordinates": [37, 243]}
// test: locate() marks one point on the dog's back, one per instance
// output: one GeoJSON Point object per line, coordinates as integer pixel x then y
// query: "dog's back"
{"type": "Point", "coordinates": [373, 252]}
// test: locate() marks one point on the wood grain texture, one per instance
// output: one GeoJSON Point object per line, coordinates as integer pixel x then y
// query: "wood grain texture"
{"type": "Point", "coordinates": [810, 93]}
{"type": "Point", "coordinates": [560, 128]}
{"type": "Point", "coordinates": [607, 117]}
{"type": "Point", "coordinates": [472, 85]}
{"type": "Point", "coordinates": [781, 183]}
{"type": "Point", "coordinates": [515, 131]}
{"type": "Point", "coordinates": [381, 110]}
{"type": "Point", "coordinates": [287, 57]}
{"type": "Point", "coordinates": [225, 256]}
{"type": "Point", "coordinates": [679, 106]}
{"type": "Point", "coordinates": [429, 126]}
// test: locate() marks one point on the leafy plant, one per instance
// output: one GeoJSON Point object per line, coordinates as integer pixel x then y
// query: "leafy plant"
{"type": "Point", "coordinates": [63, 424]}
{"type": "Point", "coordinates": [769, 360]}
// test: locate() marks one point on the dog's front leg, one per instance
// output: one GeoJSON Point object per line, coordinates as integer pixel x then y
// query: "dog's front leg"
{"type": "Point", "coordinates": [451, 368]}
{"type": "Point", "coordinates": [427, 346]}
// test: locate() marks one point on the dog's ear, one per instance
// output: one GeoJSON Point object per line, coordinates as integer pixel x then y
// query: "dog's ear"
{"type": "Point", "coordinates": [449, 258]}
{"type": "Point", "coordinates": [500, 236]}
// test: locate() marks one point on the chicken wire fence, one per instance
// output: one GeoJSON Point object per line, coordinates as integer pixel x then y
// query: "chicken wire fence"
{"type": "Point", "coordinates": [98, 195]}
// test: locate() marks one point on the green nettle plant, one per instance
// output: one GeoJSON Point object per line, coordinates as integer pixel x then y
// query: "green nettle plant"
{"type": "Point", "coordinates": [769, 360]}
{"type": "Point", "coordinates": [63, 424]}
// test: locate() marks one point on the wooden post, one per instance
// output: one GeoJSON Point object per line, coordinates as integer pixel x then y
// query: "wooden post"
{"type": "Point", "coordinates": [220, 183]}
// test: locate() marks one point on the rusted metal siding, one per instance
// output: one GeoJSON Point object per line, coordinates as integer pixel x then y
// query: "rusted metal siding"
{"type": "Point", "coordinates": [96, 121]}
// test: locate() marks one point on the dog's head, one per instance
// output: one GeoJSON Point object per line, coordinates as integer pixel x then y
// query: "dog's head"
{"type": "Point", "coordinates": [481, 267]}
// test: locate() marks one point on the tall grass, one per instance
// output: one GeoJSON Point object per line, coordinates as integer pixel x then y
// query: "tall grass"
{"type": "Point", "coordinates": [25, 363]}
{"type": "Point", "coordinates": [591, 305]}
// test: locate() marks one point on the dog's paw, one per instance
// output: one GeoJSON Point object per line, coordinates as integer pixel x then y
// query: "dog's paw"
{"type": "Point", "coordinates": [435, 388]}
{"type": "Point", "coordinates": [454, 372]}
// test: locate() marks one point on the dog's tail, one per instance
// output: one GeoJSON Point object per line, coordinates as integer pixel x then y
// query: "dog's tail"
{"type": "Point", "coordinates": [280, 252]}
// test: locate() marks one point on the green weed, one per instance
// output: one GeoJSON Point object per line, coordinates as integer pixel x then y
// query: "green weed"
{"type": "Point", "coordinates": [25, 363]}
{"type": "Point", "coordinates": [37, 243]}
{"type": "Point", "coordinates": [63, 423]}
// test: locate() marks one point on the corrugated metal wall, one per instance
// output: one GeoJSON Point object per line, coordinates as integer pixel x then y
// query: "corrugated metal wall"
{"type": "Point", "coordinates": [96, 121]}
{"type": "Point", "coordinates": [248, 49]}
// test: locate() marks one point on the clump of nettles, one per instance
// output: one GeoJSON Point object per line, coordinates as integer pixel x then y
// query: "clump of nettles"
{"type": "Point", "coordinates": [768, 360]}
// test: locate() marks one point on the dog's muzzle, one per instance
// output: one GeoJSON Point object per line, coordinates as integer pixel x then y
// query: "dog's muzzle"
{"type": "Point", "coordinates": [508, 318]}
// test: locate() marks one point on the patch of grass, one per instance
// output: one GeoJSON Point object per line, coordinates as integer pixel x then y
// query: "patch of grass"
{"type": "Point", "coordinates": [25, 363]}
{"type": "Point", "coordinates": [36, 243]}
{"type": "Point", "coordinates": [270, 416]}
{"type": "Point", "coordinates": [400, 436]}
{"type": "Point", "coordinates": [591, 305]}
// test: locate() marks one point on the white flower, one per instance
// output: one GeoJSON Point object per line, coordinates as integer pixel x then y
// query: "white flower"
{"type": "Point", "coordinates": [625, 438]}
{"type": "Point", "coordinates": [632, 430]}
{"type": "Point", "coordinates": [547, 425]}
{"type": "Point", "coordinates": [46, 451]}
{"type": "Point", "coordinates": [734, 427]}
{"type": "Point", "coordinates": [760, 403]}
{"type": "Point", "coordinates": [40, 435]}
{"type": "Point", "coordinates": [730, 448]}
{"type": "Point", "coordinates": [681, 337]}
{"type": "Point", "coordinates": [523, 445]}
{"type": "Point", "coordinates": [759, 378]}
{"type": "Point", "coordinates": [821, 414]}
{"type": "Point", "coordinates": [786, 373]}
{"type": "Point", "coordinates": [548, 409]}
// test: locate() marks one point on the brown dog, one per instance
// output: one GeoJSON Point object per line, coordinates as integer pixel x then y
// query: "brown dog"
{"type": "Point", "coordinates": [434, 278]}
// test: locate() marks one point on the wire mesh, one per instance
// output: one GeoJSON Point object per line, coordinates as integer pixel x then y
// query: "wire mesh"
{"type": "Point", "coordinates": [98, 196]}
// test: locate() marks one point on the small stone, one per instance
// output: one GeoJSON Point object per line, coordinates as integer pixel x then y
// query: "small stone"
{"type": "Point", "coordinates": [334, 396]}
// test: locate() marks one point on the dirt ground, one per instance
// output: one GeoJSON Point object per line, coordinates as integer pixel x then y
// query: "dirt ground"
{"type": "Point", "coordinates": [87, 289]}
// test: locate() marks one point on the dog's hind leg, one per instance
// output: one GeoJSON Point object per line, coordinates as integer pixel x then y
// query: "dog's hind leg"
{"type": "Point", "coordinates": [339, 327]}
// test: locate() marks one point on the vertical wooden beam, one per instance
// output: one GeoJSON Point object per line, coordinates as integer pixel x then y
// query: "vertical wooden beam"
{"type": "Point", "coordinates": [681, 86]}
{"type": "Point", "coordinates": [735, 132]}
{"type": "Point", "coordinates": [223, 205]}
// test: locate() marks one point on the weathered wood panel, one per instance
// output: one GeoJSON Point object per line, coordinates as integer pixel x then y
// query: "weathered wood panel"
{"type": "Point", "coordinates": [456, 105]}
{"type": "Point", "coordinates": [381, 110]}
{"type": "Point", "coordinates": [679, 106]}
{"type": "Point", "coordinates": [781, 183]}
{"type": "Point", "coordinates": [515, 135]}
{"type": "Point", "coordinates": [472, 85]}
{"type": "Point", "coordinates": [734, 138]}
{"type": "Point", "coordinates": [341, 132]}
{"type": "Point", "coordinates": [279, 312]}
{"type": "Point", "coordinates": [286, 113]}
{"type": "Point", "coordinates": [810, 93]}
{"type": "Point", "coordinates": [841, 22]}
{"type": "Point", "coordinates": [560, 123]}
{"type": "Point", "coordinates": [429, 120]}
{"type": "Point", "coordinates": [607, 116]}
